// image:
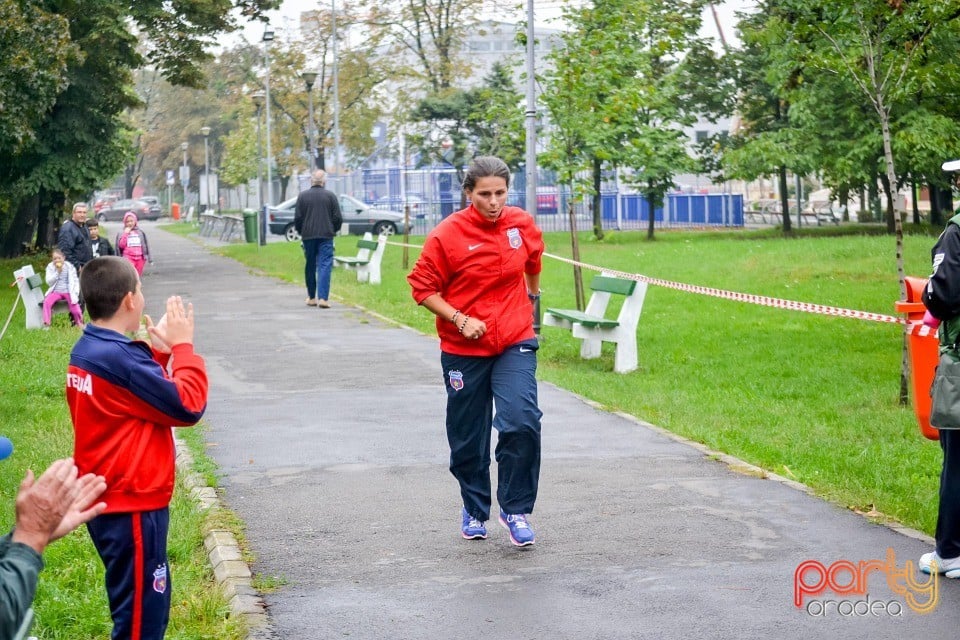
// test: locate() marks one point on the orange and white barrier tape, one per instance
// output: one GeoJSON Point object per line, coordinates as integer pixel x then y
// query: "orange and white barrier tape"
{"type": "Point", "coordinates": [742, 297]}
{"type": "Point", "coordinates": [766, 301]}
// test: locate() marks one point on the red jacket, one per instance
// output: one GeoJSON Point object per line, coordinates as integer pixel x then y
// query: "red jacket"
{"type": "Point", "coordinates": [123, 403]}
{"type": "Point", "coordinates": [477, 266]}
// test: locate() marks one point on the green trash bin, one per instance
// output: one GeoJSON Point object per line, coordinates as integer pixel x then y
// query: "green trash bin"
{"type": "Point", "coordinates": [250, 225]}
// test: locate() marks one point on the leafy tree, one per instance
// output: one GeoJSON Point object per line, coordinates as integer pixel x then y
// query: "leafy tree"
{"type": "Point", "coordinates": [431, 32]}
{"type": "Point", "coordinates": [240, 159]}
{"type": "Point", "coordinates": [497, 120]}
{"type": "Point", "coordinates": [619, 79]}
{"type": "Point", "coordinates": [667, 94]}
{"type": "Point", "coordinates": [36, 47]}
{"type": "Point", "coordinates": [82, 140]}
{"type": "Point", "coordinates": [453, 126]}
{"type": "Point", "coordinates": [768, 71]}
{"type": "Point", "coordinates": [875, 46]}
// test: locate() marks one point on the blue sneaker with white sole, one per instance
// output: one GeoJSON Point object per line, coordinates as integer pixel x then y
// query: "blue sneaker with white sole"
{"type": "Point", "coordinates": [520, 532]}
{"type": "Point", "coordinates": [471, 528]}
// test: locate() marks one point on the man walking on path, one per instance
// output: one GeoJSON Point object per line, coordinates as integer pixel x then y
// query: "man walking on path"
{"type": "Point", "coordinates": [317, 220]}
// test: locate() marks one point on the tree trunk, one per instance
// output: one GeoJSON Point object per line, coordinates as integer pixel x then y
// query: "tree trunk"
{"type": "Point", "coordinates": [20, 233]}
{"type": "Point", "coordinates": [321, 161]}
{"type": "Point", "coordinates": [936, 217]}
{"type": "Point", "coordinates": [888, 192]}
{"type": "Point", "coordinates": [650, 205]}
{"type": "Point", "coordinates": [845, 202]}
{"type": "Point", "coordinates": [898, 230]}
{"type": "Point", "coordinates": [597, 217]}
{"type": "Point", "coordinates": [873, 195]}
{"type": "Point", "coordinates": [49, 218]}
{"type": "Point", "coordinates": [947, 201]}
{"type": "Point", "coordinates": [914, 196]}
{"type": "Point", "coordinates": [784, 199]}
{"type": "Point", "coordinates": [575, 252]}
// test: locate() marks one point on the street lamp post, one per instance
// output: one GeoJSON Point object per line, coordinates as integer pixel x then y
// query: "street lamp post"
{"type": "Point", "coordinates": [184, 175]}
{"type": "Point", "coordinates": [205, 131]}
{"type": "Point", "coordinates": [258, 99]}
{"type": "Point", "coordinates": [310, 77]}
{"type": "Point", "coordinates": [336, 90]}
{"type": "Point", "coordinates": [267, 39]}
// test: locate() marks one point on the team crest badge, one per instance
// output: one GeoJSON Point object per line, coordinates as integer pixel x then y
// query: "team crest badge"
{"type": "Point", "coordinates": [513, 235]}
{"type": "Point", "coordinates": [456, 380]}
{"type": "Point", "coordinates": [160, 579]}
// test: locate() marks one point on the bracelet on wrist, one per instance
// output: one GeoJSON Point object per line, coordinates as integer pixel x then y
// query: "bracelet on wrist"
{"type": "Point", "coordinates": [462, 326]}
{"type": "Point", "coordinates": [533, 296]}
{"type": "Point", "coordinates": [453, 319]}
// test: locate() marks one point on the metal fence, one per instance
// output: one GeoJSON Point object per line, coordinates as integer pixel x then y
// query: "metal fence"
{"type": "Point", "coordinates": [432, 193]}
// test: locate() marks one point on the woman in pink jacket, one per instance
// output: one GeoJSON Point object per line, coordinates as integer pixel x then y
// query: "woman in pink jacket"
{"type": "Point", "coordinates": [132, 243]}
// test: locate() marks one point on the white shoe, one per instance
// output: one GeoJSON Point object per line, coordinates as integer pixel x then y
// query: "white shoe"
{"type": "Point", "coordinates": [949, 567]}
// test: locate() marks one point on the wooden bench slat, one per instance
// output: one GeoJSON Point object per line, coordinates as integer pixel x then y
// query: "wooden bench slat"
{"type": "Point", "coordinates": [366, 244]}
{"type": "Point", "coordinates": [620, 286]}
{"type": "Point", "coordinates": [349, 260]}
{"type": "Point", "coordinates": [582, 318]}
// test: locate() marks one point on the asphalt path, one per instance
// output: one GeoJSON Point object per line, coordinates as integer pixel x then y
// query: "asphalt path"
{"type": "Point", "coordinates": [327, 426]}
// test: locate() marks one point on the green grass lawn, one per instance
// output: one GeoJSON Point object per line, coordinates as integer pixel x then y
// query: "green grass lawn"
{"type": "Point", "coordinates": [810, 397]}
{"type": "Point", "coordinates": [71, 602]}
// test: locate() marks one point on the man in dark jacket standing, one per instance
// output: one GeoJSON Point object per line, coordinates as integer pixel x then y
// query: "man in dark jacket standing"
{"type": "Point", "coordinates": [74, 240]}
{"type": "Point", "coordinates": [317, 220]}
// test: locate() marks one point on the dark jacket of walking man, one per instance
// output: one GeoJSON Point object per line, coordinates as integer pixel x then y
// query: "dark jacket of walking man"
{"type": "Point", "coordinates": [317, 220]}
{"type": "Point", "coordinates": [74, 239]}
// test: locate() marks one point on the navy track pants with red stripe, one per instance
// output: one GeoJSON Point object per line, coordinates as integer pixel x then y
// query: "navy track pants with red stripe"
{"type": "Point", "coordinates": [133, 547]}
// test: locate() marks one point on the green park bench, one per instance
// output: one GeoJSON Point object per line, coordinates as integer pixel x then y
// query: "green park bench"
{"type": "Point", "coordinates": [594, 328]}
{"type": "Point", "coordinates": [368, 258]}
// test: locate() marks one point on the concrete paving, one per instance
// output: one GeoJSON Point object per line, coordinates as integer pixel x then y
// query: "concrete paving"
{"type": "Point", "coordinates": [327, 426]}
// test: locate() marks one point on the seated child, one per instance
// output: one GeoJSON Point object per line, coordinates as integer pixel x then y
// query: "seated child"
{"type": "Point", "coordinates": [64, 285]}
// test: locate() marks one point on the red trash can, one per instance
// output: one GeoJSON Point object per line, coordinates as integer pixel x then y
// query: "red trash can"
{"type": "Point", "coordinates": [175, 210]}
{"type": "Point", "coordinates": [924, 350]}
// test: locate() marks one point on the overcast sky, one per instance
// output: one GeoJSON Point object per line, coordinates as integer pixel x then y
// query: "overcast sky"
{"type": "Point", "coordinates": [288, 16]}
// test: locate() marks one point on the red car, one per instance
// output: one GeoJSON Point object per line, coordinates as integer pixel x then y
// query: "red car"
{"type": "Point", "coordinates": [103, 202]}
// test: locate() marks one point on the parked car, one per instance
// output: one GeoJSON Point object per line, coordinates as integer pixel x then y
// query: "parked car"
{"type": "Point", "coordinates": [104, 202]}
{"type": "Point", "coordinates": [155, 208]}
{"type": "Point", "coordinates": [419, 207]}
{"type": "Point", "coordinates": [361, 218]}
{"type": "Point", "coordinates": [114, 212]}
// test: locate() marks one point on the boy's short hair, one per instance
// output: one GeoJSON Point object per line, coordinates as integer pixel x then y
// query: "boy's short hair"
{"type": "Point", "coordinates": [92, 222]}
{"type": "Point", "coordinates": [104, 282]}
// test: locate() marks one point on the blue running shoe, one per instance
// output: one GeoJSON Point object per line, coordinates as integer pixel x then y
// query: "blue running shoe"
{"type": "Point", "coordinates": [471, 528]}
{"type": "Point", "coordinates": [520, 532]}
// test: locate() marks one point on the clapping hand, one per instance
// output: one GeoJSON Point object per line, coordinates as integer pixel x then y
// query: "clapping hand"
{"type": "Point", "coordinates": [56, 503]}
{"type": "Point", "coordinates": [175, 326]}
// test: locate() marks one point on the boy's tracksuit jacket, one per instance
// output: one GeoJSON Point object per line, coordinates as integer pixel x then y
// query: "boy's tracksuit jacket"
{"type": "Point", "coordinates": [123, 402]}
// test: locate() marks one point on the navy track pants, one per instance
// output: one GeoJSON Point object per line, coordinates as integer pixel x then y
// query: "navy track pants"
{"type": "Point", "coordinates": [948, 514]}
{"type": "Point", "coordinates": [133, 547]}
{"type": "Point", "coordinates": [475, 387]}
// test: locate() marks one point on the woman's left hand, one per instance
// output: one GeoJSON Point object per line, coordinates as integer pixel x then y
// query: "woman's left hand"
{"type": "Point", "coordinates": [473, 329]}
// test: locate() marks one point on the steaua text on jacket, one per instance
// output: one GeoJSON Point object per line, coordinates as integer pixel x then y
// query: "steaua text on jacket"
{"type": "Point", "coordinates": [123, 403]}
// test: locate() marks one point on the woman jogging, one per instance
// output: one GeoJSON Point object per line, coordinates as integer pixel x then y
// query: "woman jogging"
{"type": "Point", "coordinates": [479, 273]}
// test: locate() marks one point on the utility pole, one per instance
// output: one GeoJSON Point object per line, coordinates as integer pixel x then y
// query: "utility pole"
{"type": "Point", "coordinates": [531, 118]}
